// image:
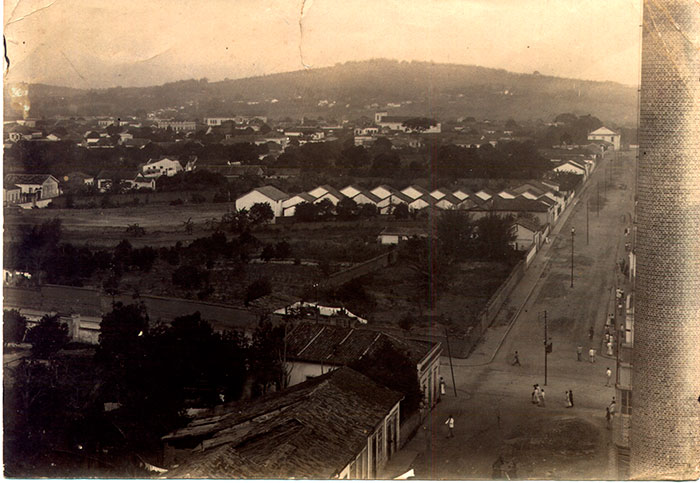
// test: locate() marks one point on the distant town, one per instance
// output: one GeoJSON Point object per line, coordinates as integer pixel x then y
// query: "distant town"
{"type": "Point", "coordinates": [241, 296]}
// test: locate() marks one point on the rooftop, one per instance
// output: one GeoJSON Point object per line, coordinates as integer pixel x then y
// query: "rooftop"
{"type": "Point", "coordinates": [310, 430]}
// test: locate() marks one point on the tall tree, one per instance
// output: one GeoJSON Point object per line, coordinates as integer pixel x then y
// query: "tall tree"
{"type": "Point", "coordinates": [48, 337]}
{"type": "Point", "coordinates": [14, 326]}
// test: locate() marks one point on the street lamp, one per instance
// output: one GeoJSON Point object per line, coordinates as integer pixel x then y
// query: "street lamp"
{"type": "Point", "coordinates": [573, 231]}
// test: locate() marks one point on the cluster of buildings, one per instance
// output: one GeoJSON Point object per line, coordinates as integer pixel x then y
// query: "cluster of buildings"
{"type": "Point", "coordinates": [330, 422]}
{"type": "Point", "coordinates": [540, 200]}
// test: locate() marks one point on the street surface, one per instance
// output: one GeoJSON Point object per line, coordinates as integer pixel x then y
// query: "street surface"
{"type": "Point", "coordinates": [493, 412]}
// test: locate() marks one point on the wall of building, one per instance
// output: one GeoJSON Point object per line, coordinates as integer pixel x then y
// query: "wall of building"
{"type": "Point", "coordinates": [665, 431]}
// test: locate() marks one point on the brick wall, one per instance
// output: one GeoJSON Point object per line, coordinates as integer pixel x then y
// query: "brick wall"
{"type": "Point", "coordinates": [665, 425]}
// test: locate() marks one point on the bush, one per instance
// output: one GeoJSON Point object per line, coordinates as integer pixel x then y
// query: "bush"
{"type": "Point", "coordinates": [189, 277]}
{"type": "Point", "coordinates": [257, 289]}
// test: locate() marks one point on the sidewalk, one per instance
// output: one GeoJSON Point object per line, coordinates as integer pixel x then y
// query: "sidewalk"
{"type": "Point", "coordinates": [493, 337]}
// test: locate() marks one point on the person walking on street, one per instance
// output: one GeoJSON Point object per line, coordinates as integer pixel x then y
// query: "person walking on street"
{"type": "Point", "coordinates": [591, 355]}
{"type": "Point", "coordinates": [608, 418]}
{"type": "Point", "coordinates": [613, 406]}
{"type": "Point", "coordinates": [610, 347]}
{"type": "Point", "coordinates": [566, 399]}
{"type": "Point", "coordinates": [516, 359]}
{"type": "Point", "coordinates": [591, 332]}
{"type": "Point", "coordinates": [579, 351]}
{"type": "Point", "coordinates": [608, 374]}
{"type": "Point", "coordinates": [542, 397]}
{"type": "Point", "coordinates": [536, 394]}
{"type": "Point", "coordinates": [442, 386]}
{"type": "Point", "coordinates": [450, 422]}
{"type": "Point", "coordinates": [571, 398]}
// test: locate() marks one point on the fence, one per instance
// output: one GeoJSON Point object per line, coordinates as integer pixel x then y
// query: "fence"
{"type": "Point", "coordinates": [364, 268]}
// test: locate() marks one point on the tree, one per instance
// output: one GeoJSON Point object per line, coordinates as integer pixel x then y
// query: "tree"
{"type": "Point", "coordinates": [268, 356]}
{"type": "Point", "coordinates": [14, 326]}
{"type": "Point", "coordinates": [326, 209]}
{"type": "Point", "coordinates": [495, 234]}
{"type": "Point", "coordinates": [189, 277]}
{"type": "Point", "coordinates": [367, 210]}
{"type": "Point", "coordinates": [306, 211]}
{"type": "Point", "coordinates": [455, 232]}
{"type": "Point", "coordinates": [347, 209]}
{"type": "Point", "coordinates": [353, 157]}
{"type": "Point", "coordinates": [258, 288]}
{"type": "Point", "coordinates": [47, 337]}
{"type": "Point", "coordinates": [386, 164]}
{"type": "Point", "coordinates": [401, 211]}
{"type": "Point", "coordinates": [121, 335]}
{"type": "Point", "coordinates": [261, 213]}
{"type": "Point", "coordinates": [283, 249]}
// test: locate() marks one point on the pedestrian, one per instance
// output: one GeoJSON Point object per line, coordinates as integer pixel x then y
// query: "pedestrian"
{"type": "Point", "coordinates": [566, 399]}
{"type": "Point", "coordinates": [450, 422]}
{"type": "Point", "coordinates": [608, 374]}
{"type": "Point", "coordinates": [591, 355]}
{"type": "Point", "coordinates": [542, 397]}
{"type": "Point", "coordinates": [536, 394]}
{"type": "Point", "coordinates": [608, 418]}
{"type": "Point", "coordinates": [579, 351]}
{"type": "Point", "coordinates": [516, 359]}
{"type": "Point", "coordinates": [610, 347]}
{"type": "Point", "coordinates": [442, 386]}
{"type": "Point", "coordinates": [571, 398]}
{"type": "Point", "coordinates": [591, 332]}
{"type": "Point", "coordinates": [613, 406]}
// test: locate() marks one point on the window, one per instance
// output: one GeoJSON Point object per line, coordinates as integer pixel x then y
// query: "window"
{"type": "Point", "coordinates": [626, 401]}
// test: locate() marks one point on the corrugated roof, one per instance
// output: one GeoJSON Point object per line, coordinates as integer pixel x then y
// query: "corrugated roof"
{"type": "Point", "coordinates": [310, 430]}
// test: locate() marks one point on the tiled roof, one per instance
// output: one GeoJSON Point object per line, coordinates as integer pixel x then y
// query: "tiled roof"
{"type": "Point", "coordinates": [337, 345]}
{"type": "Point", "coordinates": [272, 193]}
{"type": "Point", "coordinates": [22, 178]}
{"type": "Point", "coordinates": [531, 225]}
{"type": "Point", "coordinates": [310, 430]}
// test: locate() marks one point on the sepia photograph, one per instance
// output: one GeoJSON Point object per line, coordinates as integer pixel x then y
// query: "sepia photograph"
{"type": "Point", "coordinates": [326, 239]}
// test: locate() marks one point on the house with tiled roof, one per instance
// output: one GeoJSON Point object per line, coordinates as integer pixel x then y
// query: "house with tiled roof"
{"type": "Point", "coordinates": [527, 231]}
{"type": "Point", "coordinates": [264, 194]}
{"type": "Point", "coordinates": [340, 425]}
{"type": "Point", "coordinates": [314, 349]}
{"type": "Point", "coordinates": [33, 186]}
{"type": "Point", "coordinates": [606, 135]}
{"type": "Point", "coordinates": [520, 205]}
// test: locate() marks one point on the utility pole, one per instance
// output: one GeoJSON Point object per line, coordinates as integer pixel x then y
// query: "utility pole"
{"type": "Point", "coordinates": [573, 231]}
{"type": "Point", "coordinates": [449, 355]}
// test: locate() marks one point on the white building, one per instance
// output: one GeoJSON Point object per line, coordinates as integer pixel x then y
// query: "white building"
{"type": "Point", "coordinates": [605, 134]}
{"type": "Point", "coordinates": [265, 194]}
{"type": "Point", "coordinates": [161, 167]}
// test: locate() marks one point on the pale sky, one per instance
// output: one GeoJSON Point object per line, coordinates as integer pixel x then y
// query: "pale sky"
{"type": "Point", "coordinates": [103, 43]}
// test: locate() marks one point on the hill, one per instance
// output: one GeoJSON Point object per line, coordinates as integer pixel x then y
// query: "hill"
{"type": "Point", "coordinates": [355, 89]}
